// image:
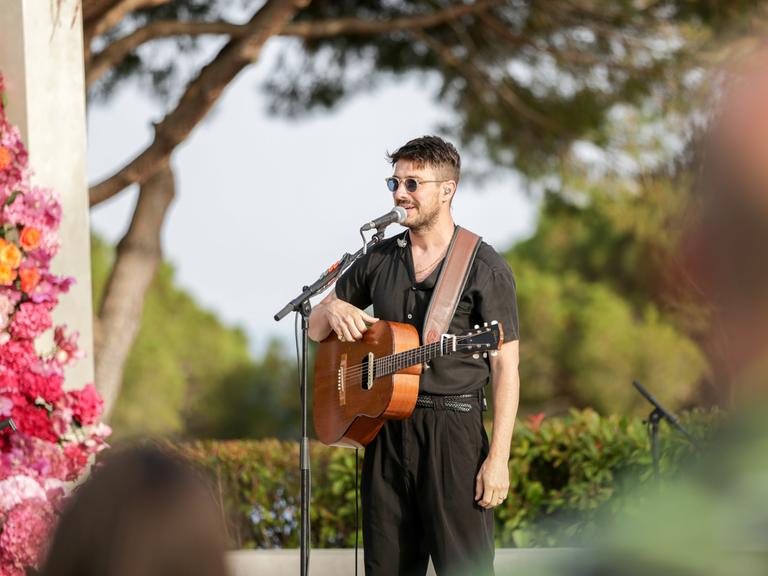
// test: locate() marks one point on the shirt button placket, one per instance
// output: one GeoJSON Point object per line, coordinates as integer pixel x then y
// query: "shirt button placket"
{"type": "Point", "coordinates": [411, 302]}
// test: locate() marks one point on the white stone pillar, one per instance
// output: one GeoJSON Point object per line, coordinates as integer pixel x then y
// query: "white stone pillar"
{"type": "Point", "coordinates": [41, 58]}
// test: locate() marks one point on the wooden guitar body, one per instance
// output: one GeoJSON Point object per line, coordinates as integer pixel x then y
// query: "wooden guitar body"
{"type": "Point", "coordinates": [350, 405]}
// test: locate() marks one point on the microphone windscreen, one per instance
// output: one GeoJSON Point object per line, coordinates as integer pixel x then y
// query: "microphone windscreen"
{"type": "Point", "coordinates": [401, 214]}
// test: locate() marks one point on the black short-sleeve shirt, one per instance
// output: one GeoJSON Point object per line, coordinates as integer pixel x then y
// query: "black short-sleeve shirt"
{"type": "Point", "coordinates": [384, 278]}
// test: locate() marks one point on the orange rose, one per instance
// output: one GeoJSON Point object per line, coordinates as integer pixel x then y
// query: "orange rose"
{"type": "Point", "coordinates": [30, 278]}
{"type": "Point", "coordinates": [5, 157]}
{"type": "Point", "coordinates": [10, 255]}
{"type": "Point", "coordinates": [7, 275]}
{"type": "Point", "coordinates": [30, 238]}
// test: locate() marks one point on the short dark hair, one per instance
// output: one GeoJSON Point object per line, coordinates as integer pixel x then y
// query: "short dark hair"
{"type": "Point", "coordinates": [430, 151]}
{"type": "Point", "coordinates": [144, 510]}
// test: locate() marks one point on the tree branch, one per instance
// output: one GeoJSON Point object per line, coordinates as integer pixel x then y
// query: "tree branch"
{"type": "Point", "coordinates": [481, 83]}
{"type": "Point", "coordinates": [120, 10]}
{"type": "Point", "coordinates": [103, 15]}
{"type": "Point", "coordinates": [358, 27]}
{"type": "Point", "coordinates": [138, 256]}
{"type": "Point", "coordinates": [113, 54]}
{"type": "Point", "coordinates": [93, 9]}
{"type": "Point", "coordinates": [200, 96]}
{"type": "Point", "coordinates": [119, 49]}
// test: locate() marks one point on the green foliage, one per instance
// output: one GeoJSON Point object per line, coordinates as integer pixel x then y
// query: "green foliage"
{"type": "Point", "coordinates": [594, 303]}
{"type": "Point", "coordinates": [610, 230]}
{"type": "Point", "coordinates": [526, 79]}
{"type": "Point", "coordinates": [102, 259]}
{"type": "Point", "coordinates": [257, 400]}
{"type": "Point", "coordinates": [258, 483]}
{"type": "Point", "coordinates": [582, 345]}
{"type": "Point", "coordinates": [575, 472]}
{"type": "Point", "coordinates": [189, 374]}
{"type": "Point", "coordinates": [566, 474]}
{"type": "Point", "coordinates": [180, 354]}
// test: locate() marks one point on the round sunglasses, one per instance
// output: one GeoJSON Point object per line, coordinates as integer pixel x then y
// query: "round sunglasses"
{"type": "Point", "coordinates": [411, 184]}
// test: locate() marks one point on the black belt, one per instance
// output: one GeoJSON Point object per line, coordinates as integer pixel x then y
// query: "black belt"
{"type": "Point", "coordinates": [457, 402]}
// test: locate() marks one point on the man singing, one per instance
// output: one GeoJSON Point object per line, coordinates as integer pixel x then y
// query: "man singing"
{"type": "Point", "coordinates": [430, 482]}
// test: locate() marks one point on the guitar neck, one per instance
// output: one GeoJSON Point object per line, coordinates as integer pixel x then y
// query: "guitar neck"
{"type": "Point", "coordinates": [395, 362]}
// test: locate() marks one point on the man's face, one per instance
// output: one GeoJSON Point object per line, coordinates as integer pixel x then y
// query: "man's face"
{"type": "Point", "coordinates": [423, 205]}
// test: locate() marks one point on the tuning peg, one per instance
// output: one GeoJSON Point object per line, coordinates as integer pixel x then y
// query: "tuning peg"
{"type": "Point", "coordinates": [485, 354]}
{"type": "Point", "coordinates": [494, 322]}
{"type": "Point", "coordinates": [477, 326]}
{"type": "Point", "coordinates": [495, 353]}
{"type": "Point", "coordinates": [475, 355]}
{"type": "Point", "coordinates": [485, 324]}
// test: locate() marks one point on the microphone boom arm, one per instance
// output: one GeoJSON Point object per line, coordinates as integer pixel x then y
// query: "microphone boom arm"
{"type": "Point", "coordinates": [328, 277]}
{"type": "Point", "coordinates": [664, 413]}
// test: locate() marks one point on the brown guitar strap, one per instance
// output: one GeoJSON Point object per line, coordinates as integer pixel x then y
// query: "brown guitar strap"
{"type": "Point", "coordinates": [450, 284]}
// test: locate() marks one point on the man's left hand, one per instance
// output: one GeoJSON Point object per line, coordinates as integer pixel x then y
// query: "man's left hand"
{"type": "Point", "coordinates": [492, 483]}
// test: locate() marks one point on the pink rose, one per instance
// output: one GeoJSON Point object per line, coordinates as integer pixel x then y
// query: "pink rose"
{"type": "Point", "coordinates": [86, 405]}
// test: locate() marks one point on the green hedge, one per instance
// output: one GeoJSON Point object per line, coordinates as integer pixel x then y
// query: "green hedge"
{"type": "Point", "coordinates": [565, 474]}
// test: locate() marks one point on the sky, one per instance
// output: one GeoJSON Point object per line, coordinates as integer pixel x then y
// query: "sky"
{"type": "Point", "coordinates": [264, 204]}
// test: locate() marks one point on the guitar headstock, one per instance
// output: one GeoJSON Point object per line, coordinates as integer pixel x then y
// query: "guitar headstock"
{"type": "Point", "coordinates": [490, 336]}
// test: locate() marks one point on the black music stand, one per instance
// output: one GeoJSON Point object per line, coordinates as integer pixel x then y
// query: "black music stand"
{"type": "Point", "coordinates": [658, 414]}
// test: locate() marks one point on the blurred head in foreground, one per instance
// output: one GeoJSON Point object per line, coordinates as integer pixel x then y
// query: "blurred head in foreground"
{"type": "Point", "coordinates": [142, 512]}
{"type": "Point", "coordinates": [727, 248]}
{"type": "Point", "coordinates": [712, 518]}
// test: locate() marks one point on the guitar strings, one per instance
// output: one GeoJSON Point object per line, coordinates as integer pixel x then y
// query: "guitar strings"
{"type": "Point", "coordinates": [389, 362]}
{"type": "Point", "coordinates": [385, 366]}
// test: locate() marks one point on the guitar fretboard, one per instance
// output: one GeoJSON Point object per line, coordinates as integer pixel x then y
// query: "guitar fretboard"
{"type": "Point", "coordinates": [396, 362]}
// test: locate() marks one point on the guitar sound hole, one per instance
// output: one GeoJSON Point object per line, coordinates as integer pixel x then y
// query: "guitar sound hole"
{"type": "Point", "coordinates": [366, 379]}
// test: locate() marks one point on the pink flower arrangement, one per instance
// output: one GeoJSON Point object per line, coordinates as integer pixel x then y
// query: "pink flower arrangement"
{"type": "Point", "coordinates": [58, 431]}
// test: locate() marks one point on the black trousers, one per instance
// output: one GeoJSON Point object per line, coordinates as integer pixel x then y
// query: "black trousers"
{"type": "Point", "coordinates": [418, 491]}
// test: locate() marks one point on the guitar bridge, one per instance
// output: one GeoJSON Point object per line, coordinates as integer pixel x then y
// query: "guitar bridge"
{"type": "Point", "coordinates": [368, 366]}
{"type": "Point", "coordinates": [340, 382]}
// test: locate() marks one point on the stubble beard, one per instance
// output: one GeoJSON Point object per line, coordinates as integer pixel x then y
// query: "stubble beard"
{"type": "Point", "coordinates": [426, 221]}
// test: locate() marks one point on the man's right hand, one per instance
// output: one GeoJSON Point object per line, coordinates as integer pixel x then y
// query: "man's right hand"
{"type": "Point", "coordinates": [349, 322]}
{"type": "Point", "coordinates": [334, 315]}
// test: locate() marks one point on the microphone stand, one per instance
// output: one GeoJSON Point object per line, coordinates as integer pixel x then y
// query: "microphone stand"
{"type": "Point", "coordinates": [658, 414]}
{"type": "Point", "coordinates": [302, 306]}
{"type": "Point", "coordinates": [8, 423]}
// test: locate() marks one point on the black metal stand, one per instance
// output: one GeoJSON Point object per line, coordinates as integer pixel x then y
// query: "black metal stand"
{"type": "Point", "coordinates": [653, 431]}
{"type": "Point", "coordinates": [658, 414]}
{"type": "Point", "coordinates": [302, 306]}
{"type": "Point", "coordinates": [304, 459]}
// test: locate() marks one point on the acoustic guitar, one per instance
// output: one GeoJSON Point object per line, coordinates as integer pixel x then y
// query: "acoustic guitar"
{"type": "Point", "coordinates": [359, 385]}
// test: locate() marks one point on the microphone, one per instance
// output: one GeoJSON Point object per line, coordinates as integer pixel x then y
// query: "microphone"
{"type": "Point", "coordinates": [397, 214]}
